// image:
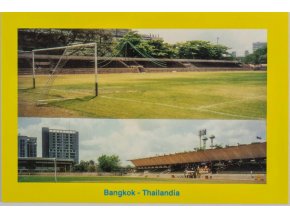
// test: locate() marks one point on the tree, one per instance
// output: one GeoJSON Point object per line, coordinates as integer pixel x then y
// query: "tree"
{"type": "Point", "coordinates": [257, 57]}
{"type": "Point", "coordinates": [126, 45]}
{"type": "Point", "coordinates": [85, 166]}
{"type": "Point", "coordinates": [91, 162]}
{"type": "Point", "coordinates": [219, 52]}
{"type": "Point", "coordinates": [91, 168]}
{"type": "Point", "coordinates": [133, 45]}
{"type": "Point", "coordinates": [109, 163]}
{"type": "Point", "coordinates": [157, 48]}
{"type": "Point", "coordinates": [29, 39]}
{"type": "Point", "coordinates": [82, 166]}
{"type": "Point", "coordinates": [199, 49]}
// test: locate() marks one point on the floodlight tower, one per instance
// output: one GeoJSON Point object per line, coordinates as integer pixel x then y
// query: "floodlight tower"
{"type": "Point", "coordinates": [201, 133]}
{"type": "Point", "coordinates": [204, 139]}
{"type": "Point", "coordinates": [212, 137]}
{"type": "Point", "coordinates": [33, 71]}
{"type": "Point", "coordinates": [96, 69]}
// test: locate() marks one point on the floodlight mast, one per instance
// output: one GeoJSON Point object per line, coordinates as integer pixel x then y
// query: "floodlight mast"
{"type": "Point", "coordinates": [96, 70]}
{"type": "Point", "coordinates": [201, 133]}
{"type": "Point", "coordinates": [212, 137]}
{"type": "Point", "coordinates": [204, 142]}
{"type": "Point", "coordinates": [55, 170]}
{"type": "Point", "coordinates": [33, 71]}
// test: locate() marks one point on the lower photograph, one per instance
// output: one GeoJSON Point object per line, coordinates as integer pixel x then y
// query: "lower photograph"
{"type": "Point", "coordinates": [66, 150]}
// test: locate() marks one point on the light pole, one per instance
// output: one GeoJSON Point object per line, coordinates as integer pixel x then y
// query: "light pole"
{"type": "Point", "coordinates": [201, 133]}
{"type": "Point", "coordinates": [204, 142]}
{"type": "Point", "coordinates": [96, 69]}
{"type": "Point", "coordinates": [55, 170]}
{"type": "Point", "coordinates": [211, 139]}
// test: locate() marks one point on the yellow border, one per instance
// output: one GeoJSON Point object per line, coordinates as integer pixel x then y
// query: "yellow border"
{"type": "Point", "coordinates": [276, 189]}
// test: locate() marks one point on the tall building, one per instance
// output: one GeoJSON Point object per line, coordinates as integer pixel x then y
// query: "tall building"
{"type": "Point", "coordinates": [257, 45]}
{"type": "Point", "coordinates": [27, 146]}
{"type": "Point", "coordinates": [247, 53]}
{"type": "Point", "coordinates": [62, 144]}
{"type": "Point", "coordinates": [150, 36]}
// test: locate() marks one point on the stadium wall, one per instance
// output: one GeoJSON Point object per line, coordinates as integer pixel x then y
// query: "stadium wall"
{"type": "Point", "coordinates": [85, 64]}
{"type": "Point", "coordinates": [27, 71]}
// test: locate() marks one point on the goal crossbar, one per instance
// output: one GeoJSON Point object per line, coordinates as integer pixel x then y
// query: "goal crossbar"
{"type": "Point", "coordinates": [64, 47]}
{"type": "Point", "coordinates": [65, 57]}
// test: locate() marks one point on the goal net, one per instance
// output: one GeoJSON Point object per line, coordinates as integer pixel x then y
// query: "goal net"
{"type": "Point", "coordinates": [63, 73]}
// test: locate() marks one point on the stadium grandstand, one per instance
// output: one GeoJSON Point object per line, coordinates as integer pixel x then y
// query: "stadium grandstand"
{"type": "Point", "coordinates": [241, 159]}
{"type": "Point", "coordinates": [84, 64]}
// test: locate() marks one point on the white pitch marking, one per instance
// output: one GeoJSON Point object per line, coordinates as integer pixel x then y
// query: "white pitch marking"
{"type": "Point", "coordinates": [229, 114]}
{"type": "Point", "coordinates": [179, 107]}
{"type": "Point", "coordinates": [229, 102]}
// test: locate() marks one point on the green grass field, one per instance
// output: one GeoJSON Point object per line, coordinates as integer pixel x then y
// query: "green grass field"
{"type": "Point", "coordinates": [120, 179]}
{"type": "Point", "coordinates": [193, 95]}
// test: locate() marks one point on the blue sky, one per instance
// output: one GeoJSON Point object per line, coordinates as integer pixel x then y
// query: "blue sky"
{"type": "Point", "coordinates": [238, 40]}
{"type": "Point", "coordinates": [134, 138]}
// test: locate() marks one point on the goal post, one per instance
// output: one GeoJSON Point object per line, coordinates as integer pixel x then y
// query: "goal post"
{"type": "Point", "coordinates": [96, 70]}
{"type": "Point", "coordinates": [65, 72]}
{"type": "Point", "coordinates": [33, 71]}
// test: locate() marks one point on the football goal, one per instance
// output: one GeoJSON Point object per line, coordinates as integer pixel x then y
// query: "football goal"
{"type": "Point", "coordinates": [64, 73]}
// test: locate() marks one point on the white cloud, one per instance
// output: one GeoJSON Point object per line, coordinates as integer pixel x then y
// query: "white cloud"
{"type": "Point", "coordinates": [140, 138]}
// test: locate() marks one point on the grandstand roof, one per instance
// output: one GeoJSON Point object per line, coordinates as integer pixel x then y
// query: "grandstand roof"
{"type": "Point", "coordinates": [249, 151]}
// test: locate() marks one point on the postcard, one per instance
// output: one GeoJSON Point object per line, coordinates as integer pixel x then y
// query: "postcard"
{"type": "Point", "coordinates": [173, 108]}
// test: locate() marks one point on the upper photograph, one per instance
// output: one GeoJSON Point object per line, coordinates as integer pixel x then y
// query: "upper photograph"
{"type": "Point", "coordinates": [143, 73]}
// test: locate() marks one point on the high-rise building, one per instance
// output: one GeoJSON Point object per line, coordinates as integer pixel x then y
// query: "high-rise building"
{"type": "Point", "coordinates": [62, 144]}
{"type": "Point", "coordinates": [247, 53]}
{"type": "Point", "coordinates": [27, 146]}
{"type": "Point", "coordinates": [257, 45]}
